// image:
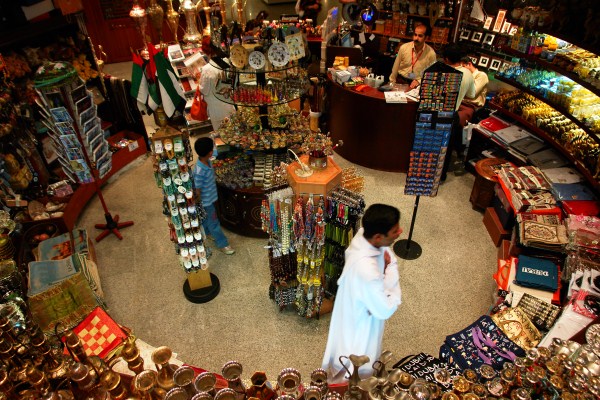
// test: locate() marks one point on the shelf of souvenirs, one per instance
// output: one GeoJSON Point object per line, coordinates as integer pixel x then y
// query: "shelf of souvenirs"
{"type": "Point", "coordinates": [587, 164]}
{"type": "Point", "coordinates": [244, 129]}
{"type": "Point", "coordinates": [427, 16]}
{"type": "Point", "coordinates": [554, 99]}
{"type": "Point", "coordinates": [251, 94]}
{"type": "Point", "coordinates": [292, 67]}
{"type": "Point", "coordinates": [579, 65]}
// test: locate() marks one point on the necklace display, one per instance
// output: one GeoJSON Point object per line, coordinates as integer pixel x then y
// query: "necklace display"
{"type": "Point", "coordinates": [307, 240]}
{"type": "Point", "coordinates": [344, 209]}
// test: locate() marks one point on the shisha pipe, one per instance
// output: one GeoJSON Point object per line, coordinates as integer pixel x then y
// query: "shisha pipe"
{"type": "Point", "coordinates": [305, 171]}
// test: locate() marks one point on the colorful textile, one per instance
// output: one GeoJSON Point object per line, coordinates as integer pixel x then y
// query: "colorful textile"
{"type": "Point", "coordinates": [99, 333]}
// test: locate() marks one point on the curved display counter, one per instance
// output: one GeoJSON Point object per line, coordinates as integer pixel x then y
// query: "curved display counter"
{"type": "Point", "coordinates": [376, 134]}
{"type": "Point", "coordinates": [239, 210]}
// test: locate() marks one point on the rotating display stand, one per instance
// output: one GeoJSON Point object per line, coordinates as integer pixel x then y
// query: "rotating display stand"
{"type": "Point", "coordinates": [172, 150]}
{"type": "Point", "coordinates": [264, 121]}
{"type": "Point", "coordinates": [438, 94]}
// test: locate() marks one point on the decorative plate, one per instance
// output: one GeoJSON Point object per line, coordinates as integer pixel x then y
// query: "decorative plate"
{"type": "Point", "coordinates": [279, 54]}
{"type": "Point", "coordinates": [257, 60]}
{"type": "Point", "coordinates": [238, 56]}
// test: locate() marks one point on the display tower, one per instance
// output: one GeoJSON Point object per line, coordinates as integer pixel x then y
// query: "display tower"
{"type": "Point", "coordinates": [183, 208]}
{"type": "Point", "coordinates": [70, 115]}
{"type": "Point", "coordinates": [438, 93]}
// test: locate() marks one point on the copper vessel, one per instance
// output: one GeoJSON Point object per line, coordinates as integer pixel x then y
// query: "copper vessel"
{"type": "Point", "coordinates": [156, 14]}
{"type": "Point", "coordinates": [161, 357]}
{"type": "Point", "coordinates": [172, 17]}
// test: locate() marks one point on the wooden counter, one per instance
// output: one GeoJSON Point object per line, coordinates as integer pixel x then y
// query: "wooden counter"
{"type": "Point", "coordinates": [376, 134]}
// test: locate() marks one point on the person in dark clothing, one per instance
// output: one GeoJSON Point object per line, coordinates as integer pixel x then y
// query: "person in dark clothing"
{"type": "Point", "coordinates": [256, 23]}
{"type": "Point", "coordinates": [309, 9]}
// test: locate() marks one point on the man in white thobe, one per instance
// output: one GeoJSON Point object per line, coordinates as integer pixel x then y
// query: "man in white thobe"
{"type": "Point", "coordinates": [368, 293]}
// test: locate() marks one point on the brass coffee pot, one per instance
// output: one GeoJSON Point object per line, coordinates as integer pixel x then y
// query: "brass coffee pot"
{"type": "Point", "coordinates": [161, 357]}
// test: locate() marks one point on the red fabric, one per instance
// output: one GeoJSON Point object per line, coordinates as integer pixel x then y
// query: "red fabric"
{"type": "Point", "coordinates": [99, 333]}
{"type": "Point", "coordinates": [582, 207]}
{"type": "Point", "coordinates": [465, 113]}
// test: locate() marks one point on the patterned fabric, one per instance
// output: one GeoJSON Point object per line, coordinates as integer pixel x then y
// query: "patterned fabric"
{"type": "Point", "coordinates": [517, 326]}
{"type": "Point", "coordinates": [482, 342]}
{"type": "Point", "coordinates": [543, 236]}
{"type": "Point", "coordinates": [99, 333]}
{"type": "Point", "coordinates": [525, 178]}
{"type": "Point", "coordinates": [528, 188]}
{"type": "Point", "coordinates": [66, 303]}
{"type": "Point", "coordinates": [204, 179]}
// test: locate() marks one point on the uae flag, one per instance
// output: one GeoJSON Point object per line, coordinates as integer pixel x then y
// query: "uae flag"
{"type": "Point", "coordinates": [139, 83]}
{"type": "Point", "coordinates": [170, 91]}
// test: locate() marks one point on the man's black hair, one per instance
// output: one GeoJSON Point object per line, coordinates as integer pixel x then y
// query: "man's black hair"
{"type": "Point", "coordinates": [203, 146]}
{"type": "Point", "coordinates": [379, 218]}
{"type": "Point", "coordinates": [452, 53]}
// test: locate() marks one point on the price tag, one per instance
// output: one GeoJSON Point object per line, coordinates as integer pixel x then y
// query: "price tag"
{"type": "Point", "coordinates": [371, 37]}
{"type": "Point", "coordinates": [134, 145]}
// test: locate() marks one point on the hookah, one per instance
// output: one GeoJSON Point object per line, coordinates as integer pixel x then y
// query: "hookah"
{"type": "Point", "coordinates": [304, 171]}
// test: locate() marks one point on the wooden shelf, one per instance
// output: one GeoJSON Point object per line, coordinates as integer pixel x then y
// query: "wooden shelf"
{"type": "Point", "coordinates": [84, 192]}
{"type": "Point", "coordinates": [570, 38]}
{"type": "Point", "coordinates": [406, 37]}
{"type": "Point", "coordinates": [549, 139]}
{"type": "Point", "coordinates": [415, 15]}
{"type": "Point", "coordinates": [557, 107]}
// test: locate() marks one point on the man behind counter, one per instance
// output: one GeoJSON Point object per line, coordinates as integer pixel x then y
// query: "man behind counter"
{"type": "Point", "coordinates": [413, 58]}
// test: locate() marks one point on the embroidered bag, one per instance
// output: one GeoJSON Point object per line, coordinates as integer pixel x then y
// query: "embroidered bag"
{"type": "Point", "coordinates": [482, 342]}
{"type": "Point", "coordinates": [424, 365]}
{"type": "Point", "coordinates": [518, 327]}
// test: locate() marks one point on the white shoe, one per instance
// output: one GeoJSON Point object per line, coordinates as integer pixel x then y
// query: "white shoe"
{"type": "Point", "coordinates": [227, 250]}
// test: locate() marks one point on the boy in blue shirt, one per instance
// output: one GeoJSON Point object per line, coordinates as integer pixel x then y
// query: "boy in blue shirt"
{"type": "Point", "coordinates": [206, 189]}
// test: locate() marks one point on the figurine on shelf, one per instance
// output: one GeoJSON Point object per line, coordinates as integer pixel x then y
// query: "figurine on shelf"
{"type": "Point", "coordinates": [209, 78]}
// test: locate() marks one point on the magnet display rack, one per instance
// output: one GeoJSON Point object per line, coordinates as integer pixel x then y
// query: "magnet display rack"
{"type": "Point", "coordinates": [438, 92]}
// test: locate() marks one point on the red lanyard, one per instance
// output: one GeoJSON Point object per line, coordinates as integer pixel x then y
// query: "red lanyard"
{"type": "Point", "coordinates": [412, 56]}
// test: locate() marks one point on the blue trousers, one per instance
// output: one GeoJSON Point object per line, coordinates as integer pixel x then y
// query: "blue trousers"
{"type": "Point", "coordinates": [212, 226]}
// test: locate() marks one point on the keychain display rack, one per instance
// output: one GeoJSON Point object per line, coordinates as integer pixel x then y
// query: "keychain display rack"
{"type": "Point", "coordinates": [438, 94]}
{"type": "Point", "coordinates": [308, 234]}
{"type": "Point", "coordinates": [183, 208]}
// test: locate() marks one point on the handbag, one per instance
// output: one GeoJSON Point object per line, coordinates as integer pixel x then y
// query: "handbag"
{"type": "Point", "coordinates": [199, 111]}
{"type": "Point", "coordinates": [517, 326]}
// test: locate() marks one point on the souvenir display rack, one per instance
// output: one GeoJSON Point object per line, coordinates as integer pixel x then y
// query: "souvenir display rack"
{"type": "Point", "coordinates": [308, 235]}
{"type": "Point", "coordinates": [555, 129]}
{"type": "Point", "coordinates": [71, 118]}
{"type": "Point", "coordinates": [261, 80]}
{"type": "Point", "coordinates": [172, 150]}
{"type": "Point", "coordinates": [438, 93]}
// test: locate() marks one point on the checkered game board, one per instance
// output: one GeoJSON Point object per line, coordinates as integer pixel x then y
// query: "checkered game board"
{"type": "Point", "coordinates": [99, 333]}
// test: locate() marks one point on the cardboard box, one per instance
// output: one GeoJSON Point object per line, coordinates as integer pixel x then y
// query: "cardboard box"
{"type": "Point", "coordinates": [494, 226]}
{"type": "Point", "coordinates": [37, 9]}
